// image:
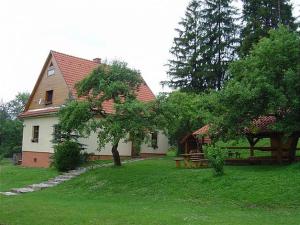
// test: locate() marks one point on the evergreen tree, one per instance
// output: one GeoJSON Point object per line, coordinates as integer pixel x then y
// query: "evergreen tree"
{"type": "Point", "coordinates": [259, 16]}
{"type": "Point", "coordinates": [184, 68]}
{"type": "Point", "coordinates": [220, 39]}
{"type": "Point", "coordinates": [204, 47]}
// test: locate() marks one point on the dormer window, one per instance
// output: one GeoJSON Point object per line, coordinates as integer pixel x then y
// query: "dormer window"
{"type": "Point", "coordinates": [49, 97]}
{"type": "Point", "coordinates": [51, 70]}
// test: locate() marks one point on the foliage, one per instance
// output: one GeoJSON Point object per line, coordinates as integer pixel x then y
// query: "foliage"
{"type": "Point", "coordinates": [10, 126]}
{"type": "Point", "coordinates": [130, 119]}
{"type": "Point", "coordinates": [265, 82]}
{"type": "Point", "coordinates": [178, 114]}
{"type": "Point", "coordinates": [204, 46]}
{"type": "Point", "coordinates": [216, 157]}
{"type": "Point", "coordinates": [17, 105]}
{"type": "Point", "coordinates": [261, 16]}
{"type": "Point", "coordinates": [246, 195]}
{"type": "Point", "coordinates": [67, 155]}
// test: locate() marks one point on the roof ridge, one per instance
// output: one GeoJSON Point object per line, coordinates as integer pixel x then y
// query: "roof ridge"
{"type": "Point", "coordinates": [52, 51]}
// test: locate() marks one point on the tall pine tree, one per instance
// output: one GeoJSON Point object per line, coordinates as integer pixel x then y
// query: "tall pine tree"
{"type": "Point", "coordinates": [204, 46]}
{"type": "Point", "coordinates": [184, 66]}
{"type": "Point", "coordinates": [259, 16]}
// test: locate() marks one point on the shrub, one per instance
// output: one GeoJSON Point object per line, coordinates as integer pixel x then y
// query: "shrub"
{"type": "Point", "coordinates": [67, 155]}
{"type": "Point", "coordinates": [216, 158]}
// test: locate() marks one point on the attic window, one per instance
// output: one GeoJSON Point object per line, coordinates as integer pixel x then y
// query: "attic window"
{"type": "Point", "coordinates": [49, 97]}
{"type": "Point", "coordinates": [51, 70]}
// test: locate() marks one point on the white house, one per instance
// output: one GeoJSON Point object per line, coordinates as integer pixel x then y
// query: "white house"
{"type": "Point", "coordinates": [54, 86]}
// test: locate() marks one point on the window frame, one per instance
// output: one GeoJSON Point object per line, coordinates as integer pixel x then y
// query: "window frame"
{"type": "Point", "coordinates": [35, 134]}
{"type": "Point", "coordinates": [49, 101]}
{"type": "Point", "coordinates": [50, 69]}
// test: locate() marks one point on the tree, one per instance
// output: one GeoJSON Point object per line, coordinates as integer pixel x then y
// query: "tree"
{"type": "Point", "coordinates": [16, 106]}
{"type": "Point", "coordinates": [259, 16]}
{"type": "Point", "coordinates": [266, 81]}
{"type": "Point", "coordinates": [130, 120]}
{"type": "Point", "coordinates": [220, 39]}
{"type": "Point", "coordinates": [205, 45]}
{"type": "Point", "coordinates": [10, 126]}
{"type": "Point", "coordinates": [178, 114]}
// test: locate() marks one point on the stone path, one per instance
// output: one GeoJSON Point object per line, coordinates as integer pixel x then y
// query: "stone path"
{"type": "Point", "coordinates": [58, 179]}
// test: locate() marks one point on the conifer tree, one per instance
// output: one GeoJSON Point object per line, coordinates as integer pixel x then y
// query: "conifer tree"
{"type": "Point", "coordinates": [184, 66]}
{"type": "Point", "coordinates": [204, 46]}
{"type": "Point", "coordinates": [259, 16]}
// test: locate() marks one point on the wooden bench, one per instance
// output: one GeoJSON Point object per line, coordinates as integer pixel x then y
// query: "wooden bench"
{"type": "Point", "coordinates": [178, 161]}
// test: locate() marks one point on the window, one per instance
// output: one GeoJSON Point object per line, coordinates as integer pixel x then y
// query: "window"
{"type": "Point", "coordinates": [154, 137]}
{"type": "Point", "coordinates": [51, 70]}
{"type": "Point", "coordinates": [49, 97]}
{"type": "Point", "coordinates": [35, 134]}
{"type": "Point", "coordinates": [57, 136]}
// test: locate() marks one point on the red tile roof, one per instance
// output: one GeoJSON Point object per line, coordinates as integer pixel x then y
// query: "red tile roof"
{"type": "Point", "coordinates": [261, 124]}
{"type": "Point", "coordinates": [202, 130]}
{"type": "Point", "coordinates": [39, 112]}
{"type": "Point", "coordinates": [74, 69]}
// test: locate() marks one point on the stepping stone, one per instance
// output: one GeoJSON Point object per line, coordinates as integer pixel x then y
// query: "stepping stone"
{"type": "Point", "coordinates": [22, 190]}
{"type": "Point", "coordinates": [52, 182]}
{"type": "Point", "coordinates": [8, 193]}
{"type": "Point", "coordinates": [40, 186]}
{"type": "Point", "coordinates": [67, 177]}
{"type": "Point", "coordinates": [60, 179]}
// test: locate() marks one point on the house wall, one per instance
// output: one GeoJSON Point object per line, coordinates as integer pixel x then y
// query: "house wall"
{"type": "Point", "coordinates": [37, 154]}
{"type": "Point", "coordinates": [92, 146]}
{"type": "Point", "coordinates": [162, 143]}
{"type": "Point", "coordinates": [125, 148]}
{"type": "Point", "coordinates": [56, 83]}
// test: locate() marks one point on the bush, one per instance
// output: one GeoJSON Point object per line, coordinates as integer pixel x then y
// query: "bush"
{"type": "Point", "coordinates": [216, 158]}
{"type": "Point", "coordinates": [67, 155]}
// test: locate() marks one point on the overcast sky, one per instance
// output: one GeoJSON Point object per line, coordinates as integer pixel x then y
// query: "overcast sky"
{"type": "Point", "coordinates": [139, 32]}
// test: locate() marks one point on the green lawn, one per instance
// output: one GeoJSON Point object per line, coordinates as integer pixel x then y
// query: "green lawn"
{"type": "Point", "coordinates": [155, 192]}
{"type": "Point", "coordinates": [17, 176]}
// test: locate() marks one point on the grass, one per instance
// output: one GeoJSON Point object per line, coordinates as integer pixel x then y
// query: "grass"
{"type": "Point", "coordinates": [155, 192]}
{"type": "Point", "coordinates": [17, 176]}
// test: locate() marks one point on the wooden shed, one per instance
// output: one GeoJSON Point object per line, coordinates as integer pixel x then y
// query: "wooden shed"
{"type": "Point", "coordinates": [193, 142]}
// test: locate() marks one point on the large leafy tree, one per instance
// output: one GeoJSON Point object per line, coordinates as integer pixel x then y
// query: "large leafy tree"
{"type": "Point", "coordinates": [130, 120]}
{"type": "Point", "coordinates": [265, 82]}
{"type": "Point", "coordinates": [178, 114]}
{"type": "Point", "coordinates": [259, 16]}
{"type": "Point", "coordinates": [204, 46]}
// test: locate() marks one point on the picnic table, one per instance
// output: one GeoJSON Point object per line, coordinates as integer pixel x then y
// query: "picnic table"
{"type": "Point", "coordinates": [194, 159]}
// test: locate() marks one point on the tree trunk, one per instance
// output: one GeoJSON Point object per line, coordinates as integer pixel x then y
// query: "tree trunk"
{"type": "Point", "coordinates": [293, 146]}
{"type": "Point", "coordinates": [116, 155]}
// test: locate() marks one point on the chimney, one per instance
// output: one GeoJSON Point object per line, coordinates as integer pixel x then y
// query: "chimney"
{"type": "Point", "coordinates": [97, 60]}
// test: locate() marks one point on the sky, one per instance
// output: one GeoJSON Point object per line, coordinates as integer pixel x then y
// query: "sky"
{"type": "Point", "coordinates": [139, 32]}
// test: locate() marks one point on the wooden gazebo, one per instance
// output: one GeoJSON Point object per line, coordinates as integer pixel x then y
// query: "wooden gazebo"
{"type": "Point", "coordinates": [282, 147]}
{"type": "Point", "coordinates": [193, 142]}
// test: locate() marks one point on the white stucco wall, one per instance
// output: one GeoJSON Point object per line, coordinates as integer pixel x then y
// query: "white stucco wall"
{"type": "Point", "coordinates": [46, 127]}
{"type": "Point", "coordinates": [162, 143]}
{"type": "Point", "coordinates": [92, 146]}
{"type": "Point", "coordinates": [45, 134]}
